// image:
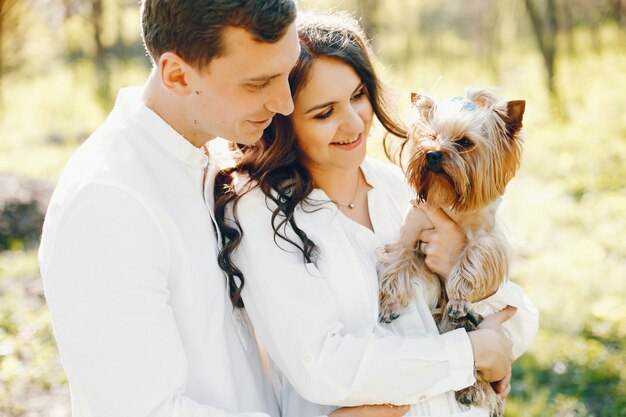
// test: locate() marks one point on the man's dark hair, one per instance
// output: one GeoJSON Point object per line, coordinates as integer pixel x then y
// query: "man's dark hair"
{"type": "Point", "coordinates": [193, 28]}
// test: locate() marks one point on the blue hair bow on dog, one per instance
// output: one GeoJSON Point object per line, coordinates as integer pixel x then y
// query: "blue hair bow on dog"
{"type": "Point", "coordinates": [467, 104]}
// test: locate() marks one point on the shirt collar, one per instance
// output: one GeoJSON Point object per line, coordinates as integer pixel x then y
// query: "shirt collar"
{"type": "Point", "coordinates": [128, 105]}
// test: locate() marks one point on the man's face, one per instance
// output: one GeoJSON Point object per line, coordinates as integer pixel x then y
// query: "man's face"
{"type": "Point", "coordinates": [238, 93]}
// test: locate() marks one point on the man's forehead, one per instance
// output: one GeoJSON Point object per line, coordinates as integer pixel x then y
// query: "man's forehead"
{"type": "Point", "coordinates": [256, 60]}
{"type": "Point", "coordinates": [233, 39]}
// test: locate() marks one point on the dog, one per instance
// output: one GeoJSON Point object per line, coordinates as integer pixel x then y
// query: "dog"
{"type": "Point", "coordinates": [460, 155]}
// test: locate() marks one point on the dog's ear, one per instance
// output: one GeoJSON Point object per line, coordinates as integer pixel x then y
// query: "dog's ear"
{"type": "Point", "coordinates": [423, 105]}
{"type": "Point", "coordinates": [513, 118]}
{"type": "Point", "coordinates": [482, 97]}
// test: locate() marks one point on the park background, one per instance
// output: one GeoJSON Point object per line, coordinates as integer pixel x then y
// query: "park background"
{"type": "Point", "coordinates": [61, 63]}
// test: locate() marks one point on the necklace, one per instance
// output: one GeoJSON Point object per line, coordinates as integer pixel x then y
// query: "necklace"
{"type": "Point", "coordinates": [350, 205]}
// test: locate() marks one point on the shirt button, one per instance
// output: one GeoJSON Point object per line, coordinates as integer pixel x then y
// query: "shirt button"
{"type": "Point", "coordinates": [308, 359]}
{"type": "Point", "coordinates": [422, 398]}
{"type": "Point", "coordinates": [480, 309]}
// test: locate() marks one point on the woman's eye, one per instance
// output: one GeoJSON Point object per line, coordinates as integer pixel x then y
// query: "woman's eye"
{"type": "Point", "coordinates": [359, 94]}
{"type": "Point", "coordinates": [465, 143]}
{"type": "Point", "coordinates": [324, 115]}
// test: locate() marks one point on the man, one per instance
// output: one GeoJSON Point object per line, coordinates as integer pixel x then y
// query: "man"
{"type": "Point", "coordinates": [140, 310]}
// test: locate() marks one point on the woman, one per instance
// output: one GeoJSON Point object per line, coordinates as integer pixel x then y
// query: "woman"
{"type": "Point", "coordinates": [302, 216]}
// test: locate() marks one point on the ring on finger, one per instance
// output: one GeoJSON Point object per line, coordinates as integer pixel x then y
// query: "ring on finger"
{"type": "Point", "coordinates": [507, 333]}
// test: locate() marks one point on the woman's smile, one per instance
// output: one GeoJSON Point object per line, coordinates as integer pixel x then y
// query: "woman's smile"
{"type": "Point", "coordinates": [349, 143]}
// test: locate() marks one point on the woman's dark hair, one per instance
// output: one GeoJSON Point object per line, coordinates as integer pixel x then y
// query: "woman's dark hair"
{"type": "Point", "coordinates": [273, 163]}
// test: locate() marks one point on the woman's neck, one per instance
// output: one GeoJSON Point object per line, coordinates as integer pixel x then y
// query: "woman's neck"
{"type": "Point", "coordinates": [338, 184]}
{"type": "Point", "coordinates": [347, 189]}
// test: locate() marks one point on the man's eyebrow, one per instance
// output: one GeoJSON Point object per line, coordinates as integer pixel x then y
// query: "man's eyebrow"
{"type": "Point", "coordinates": [261, 78]}
{"type": "Point", "coordinates": [321, 106]}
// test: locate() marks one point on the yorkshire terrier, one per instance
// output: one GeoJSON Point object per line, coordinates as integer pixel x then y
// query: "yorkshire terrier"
{"type": "Point", "coordinates": [460, 156]}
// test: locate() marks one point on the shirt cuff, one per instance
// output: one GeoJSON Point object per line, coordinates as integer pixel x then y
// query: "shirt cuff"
{"type": "Point", "coordinates": [509, 294]}
{"type": "Point", "coordinates": [458, 348]}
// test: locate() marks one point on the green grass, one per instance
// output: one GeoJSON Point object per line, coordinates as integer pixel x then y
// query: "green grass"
{"type": "Point", "coordinates": [31, 376]}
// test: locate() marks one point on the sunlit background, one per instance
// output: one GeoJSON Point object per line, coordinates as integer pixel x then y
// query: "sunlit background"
{"type": "Point", "coordinates": [61, 63]}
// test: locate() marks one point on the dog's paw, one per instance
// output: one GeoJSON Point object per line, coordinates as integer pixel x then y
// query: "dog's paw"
{"type": "Point", "coordinates": [457, 309]}
{"type": "Point", "coordinates": [387, 317]}
{"type": "Point", "coordinates": [470, 396]}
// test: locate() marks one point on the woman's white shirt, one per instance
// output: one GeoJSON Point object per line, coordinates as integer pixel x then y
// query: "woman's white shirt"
{"type": "Point", "coordinates": [318, 320]}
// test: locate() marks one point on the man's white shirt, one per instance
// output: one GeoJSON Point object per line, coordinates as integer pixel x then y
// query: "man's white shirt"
{"type": "Point", "coordinates": [138, 302]}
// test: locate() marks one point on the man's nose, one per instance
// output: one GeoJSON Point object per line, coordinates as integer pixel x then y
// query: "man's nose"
{"type": "Point", "coordinates": [281, 100]}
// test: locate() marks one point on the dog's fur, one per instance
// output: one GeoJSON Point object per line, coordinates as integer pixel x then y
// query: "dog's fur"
{"type": "Point", "coordinates": [460, 155]}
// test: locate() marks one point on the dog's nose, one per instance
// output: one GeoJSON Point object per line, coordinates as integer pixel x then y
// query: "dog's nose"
{"type": "Point", "coordinates": [433, 158]}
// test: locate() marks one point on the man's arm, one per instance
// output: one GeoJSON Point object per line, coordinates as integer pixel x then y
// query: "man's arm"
{"type": "Point", "coordinates": [105, 263]}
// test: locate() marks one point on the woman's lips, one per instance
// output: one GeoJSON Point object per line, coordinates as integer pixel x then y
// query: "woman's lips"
{"type": "Point", "coordinates": [350, 146]}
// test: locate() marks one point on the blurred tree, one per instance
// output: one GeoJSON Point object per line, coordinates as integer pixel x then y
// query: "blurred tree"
{"type": "Point", "coordinates": [92, 12]}
{"type": "Point", "coordinates": [367, 10]}
{"type": "Point", "coordinates": [101, 59]}
{"type": "Point", "coordinates": [545, 28]}
{"type": "Point", "coordinates": [12, 39]}
{"type": "Point", "coordinates": [619, 7]}
{"type": "Point", "coordinates": [106, 44]}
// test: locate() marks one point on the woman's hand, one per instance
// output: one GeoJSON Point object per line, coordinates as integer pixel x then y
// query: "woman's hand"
{"type": "Point", "coordinates": [379, 410]}
{"type": "Point", "coordinates": [442, 244]}
{"type": "Point", "coordinates": [493, 350]}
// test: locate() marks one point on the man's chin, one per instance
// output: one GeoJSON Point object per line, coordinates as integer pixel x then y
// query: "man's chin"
{"type": "Point", "coordinates": [248, 138]}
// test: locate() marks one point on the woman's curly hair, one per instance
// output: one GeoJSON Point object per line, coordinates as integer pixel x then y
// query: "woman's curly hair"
{"type": "Point", "coordinates": [273, 163]}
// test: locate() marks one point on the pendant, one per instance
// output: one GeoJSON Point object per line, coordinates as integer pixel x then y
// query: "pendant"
{"type": "Point", "coordinates": [350, 206]}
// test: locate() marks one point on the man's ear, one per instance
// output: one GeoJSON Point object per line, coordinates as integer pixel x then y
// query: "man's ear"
{"type": "Point", "coordinates": [175, 74]}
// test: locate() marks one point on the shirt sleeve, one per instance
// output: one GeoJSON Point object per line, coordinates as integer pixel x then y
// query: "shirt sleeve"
{"type": "Point", "coordinates": [295, 315]}
{"type": "Point", "coordinates": [105, 268]}
{"type": "Point", "coordinates": [524, 325]}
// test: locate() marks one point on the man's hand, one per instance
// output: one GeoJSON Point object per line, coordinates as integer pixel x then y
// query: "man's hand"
{"type": "Point", "coordinates": [502, 387]}
{"type": "Point", "coordinates": [443, 243]}
{"type": "Point", "coordinates": [493, 350]}
{"type": "Point", "coordinates": [379, 410]}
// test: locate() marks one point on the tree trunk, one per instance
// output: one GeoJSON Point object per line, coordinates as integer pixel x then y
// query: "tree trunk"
{"type": "Point", "coordinates": [101, 62]}
{"type": "Point", "coordinates": [367, 11]}
{"type": "Point", "coordinates": [9, 20]}
{"type": "Point", "coordinates": [545, 29]}
{"type": "Point", "coordinates": [620, 12]}
{"type": "Point", "coordinates": [567, 25]}
{"type": "Point", "coordinates": [1, 56]}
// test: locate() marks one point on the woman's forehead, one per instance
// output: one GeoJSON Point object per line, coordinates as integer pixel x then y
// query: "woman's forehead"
{"type": "Point", "coordinates": [329, 79]}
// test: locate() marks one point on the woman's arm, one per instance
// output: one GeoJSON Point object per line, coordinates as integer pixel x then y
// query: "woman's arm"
{"type": "Point", "coordinates": [296, 317]}
{"type": "Point", "coordinates": [445, 243]}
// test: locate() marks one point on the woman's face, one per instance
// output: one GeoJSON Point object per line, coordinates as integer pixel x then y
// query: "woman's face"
{"type": "Point", "coordinates": [332, 117]}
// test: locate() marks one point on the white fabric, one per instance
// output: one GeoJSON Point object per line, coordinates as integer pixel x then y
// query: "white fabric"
{"type": "Point", "coordinates": [128, 258]}
{"type": "Point", "coordinates": [318, 321]}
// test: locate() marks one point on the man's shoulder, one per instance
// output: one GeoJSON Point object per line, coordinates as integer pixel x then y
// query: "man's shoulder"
{"type": "Point", "coordinates": [95, 158]}
{"type": "Point", "coordinates": [112, 167]}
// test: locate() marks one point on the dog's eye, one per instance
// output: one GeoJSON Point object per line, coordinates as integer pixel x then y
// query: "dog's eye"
{"type": "Point", "coordinates": [465, 142]}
